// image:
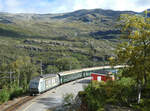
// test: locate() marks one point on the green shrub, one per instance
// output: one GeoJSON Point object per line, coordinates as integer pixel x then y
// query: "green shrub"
{"type": "Point", "coordinates": [68, 99]}
{"type": "Point", "coordinates": [4, 95]}
{"type": "Point", "coordinates": [120, 92]}
{"type": "Point", "coordinates": [16, 92]}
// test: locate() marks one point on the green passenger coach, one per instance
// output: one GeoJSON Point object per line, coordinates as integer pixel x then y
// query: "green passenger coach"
{"type": "Point", "coordinates": [70, 75]}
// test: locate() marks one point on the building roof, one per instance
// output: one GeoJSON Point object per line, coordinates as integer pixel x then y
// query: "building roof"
{"type": "Point", "coordinates": [109, 75]}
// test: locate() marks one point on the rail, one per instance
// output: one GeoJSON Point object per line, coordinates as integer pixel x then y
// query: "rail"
{"type": "Point", "coordinates": [15, 106]}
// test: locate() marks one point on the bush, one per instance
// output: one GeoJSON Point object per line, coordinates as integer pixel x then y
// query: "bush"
{"type": "Point", "coordinates": [68, 99]}
{"type": "Point", "coordinates": [15, 92]}
{"type": "Point", "coordinates": [121, 92]}
{"type": "Point", "coordinates": [4, 95]}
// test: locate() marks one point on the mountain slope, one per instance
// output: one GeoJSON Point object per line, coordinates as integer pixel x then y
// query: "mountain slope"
{"type": "Point", "coordinates": [88, 35]}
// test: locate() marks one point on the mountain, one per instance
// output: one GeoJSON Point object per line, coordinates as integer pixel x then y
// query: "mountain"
{"type": "Point", "coordinates": [88, 34]}
{"type": "Point", "coordinates": [144, 13]}
{"type": "Point", "coordinates": [95, 23]}
{"type": "Point", "coordinates": [81, 15]}
{"type": "Point", "coordinates": [95, 13]}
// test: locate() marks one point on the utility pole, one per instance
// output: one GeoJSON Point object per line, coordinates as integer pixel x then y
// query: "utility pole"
{"type": "Point", "coordinates": [70, 65]}
{"type": "Point", "coordinates": [41, 68]}
{"type": "Point", "coordinates": [10, 76]}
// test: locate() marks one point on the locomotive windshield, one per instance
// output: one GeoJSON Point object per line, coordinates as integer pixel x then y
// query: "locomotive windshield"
{"type": "Point", "coordinates": [34, 84]}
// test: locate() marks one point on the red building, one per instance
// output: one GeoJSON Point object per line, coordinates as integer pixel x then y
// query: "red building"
{"type": "Point", "coordinates": [102, 77]}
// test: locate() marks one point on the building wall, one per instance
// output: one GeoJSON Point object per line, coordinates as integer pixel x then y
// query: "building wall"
{"type": "Point", "coordinates": [101, 77]}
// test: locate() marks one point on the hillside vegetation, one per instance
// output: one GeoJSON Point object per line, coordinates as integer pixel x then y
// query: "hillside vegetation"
{"type": "Point", "coordinates": [88, 35]}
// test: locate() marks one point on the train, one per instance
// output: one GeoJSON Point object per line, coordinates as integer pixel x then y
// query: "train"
{"type": "Point", "coordinates": [46, 82]}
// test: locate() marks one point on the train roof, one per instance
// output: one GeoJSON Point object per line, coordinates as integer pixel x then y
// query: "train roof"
{"type": "Point", "coordinates": [70, 72]}
{"type": "Point", "coordinates": [88, 69]}
{"type": "Point", "coordinates": [48, 75]}
{"type": "Point", "coordinates": [44, 76]}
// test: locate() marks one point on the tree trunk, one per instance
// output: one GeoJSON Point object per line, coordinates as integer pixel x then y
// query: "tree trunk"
{"type": "Point", "coordinates": [145, 80]}
{"type": "Point", "coordinates": [19, 79]}
{"type": "Point", "coordinates": [139, 93]}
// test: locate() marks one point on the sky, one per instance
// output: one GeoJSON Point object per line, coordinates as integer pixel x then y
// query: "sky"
{"type": "Point", "coordinates": [61, 6]}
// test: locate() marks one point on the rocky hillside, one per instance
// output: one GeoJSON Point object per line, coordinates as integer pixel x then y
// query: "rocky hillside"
{"type": "Point", "coordinates": [88, 35]}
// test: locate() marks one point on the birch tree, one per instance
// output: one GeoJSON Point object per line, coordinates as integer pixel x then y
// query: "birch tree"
{"type": "Point", "coordinates": [135, 51]}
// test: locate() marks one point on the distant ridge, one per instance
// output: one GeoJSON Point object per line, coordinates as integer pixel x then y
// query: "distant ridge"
{"type": "Point", "coordinates": [76, 14]}
{"type": "Point", "coordinates": [105, 19]}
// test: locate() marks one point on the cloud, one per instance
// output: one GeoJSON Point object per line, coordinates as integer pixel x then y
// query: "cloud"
{"type": "Point", "coordinates": [60, 6]}
{"type": "Point", "coordinates": [135, 5]}
{"type": "Point", "coordinates": [1, 6]}
{"type": "Point", "coordinates": [11, 5]}
{"type": "Point", "coordinates": [143, 3]}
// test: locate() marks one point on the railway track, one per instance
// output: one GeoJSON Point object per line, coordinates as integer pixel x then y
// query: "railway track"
{"type": "Point", "coordinates": [19, 103]}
